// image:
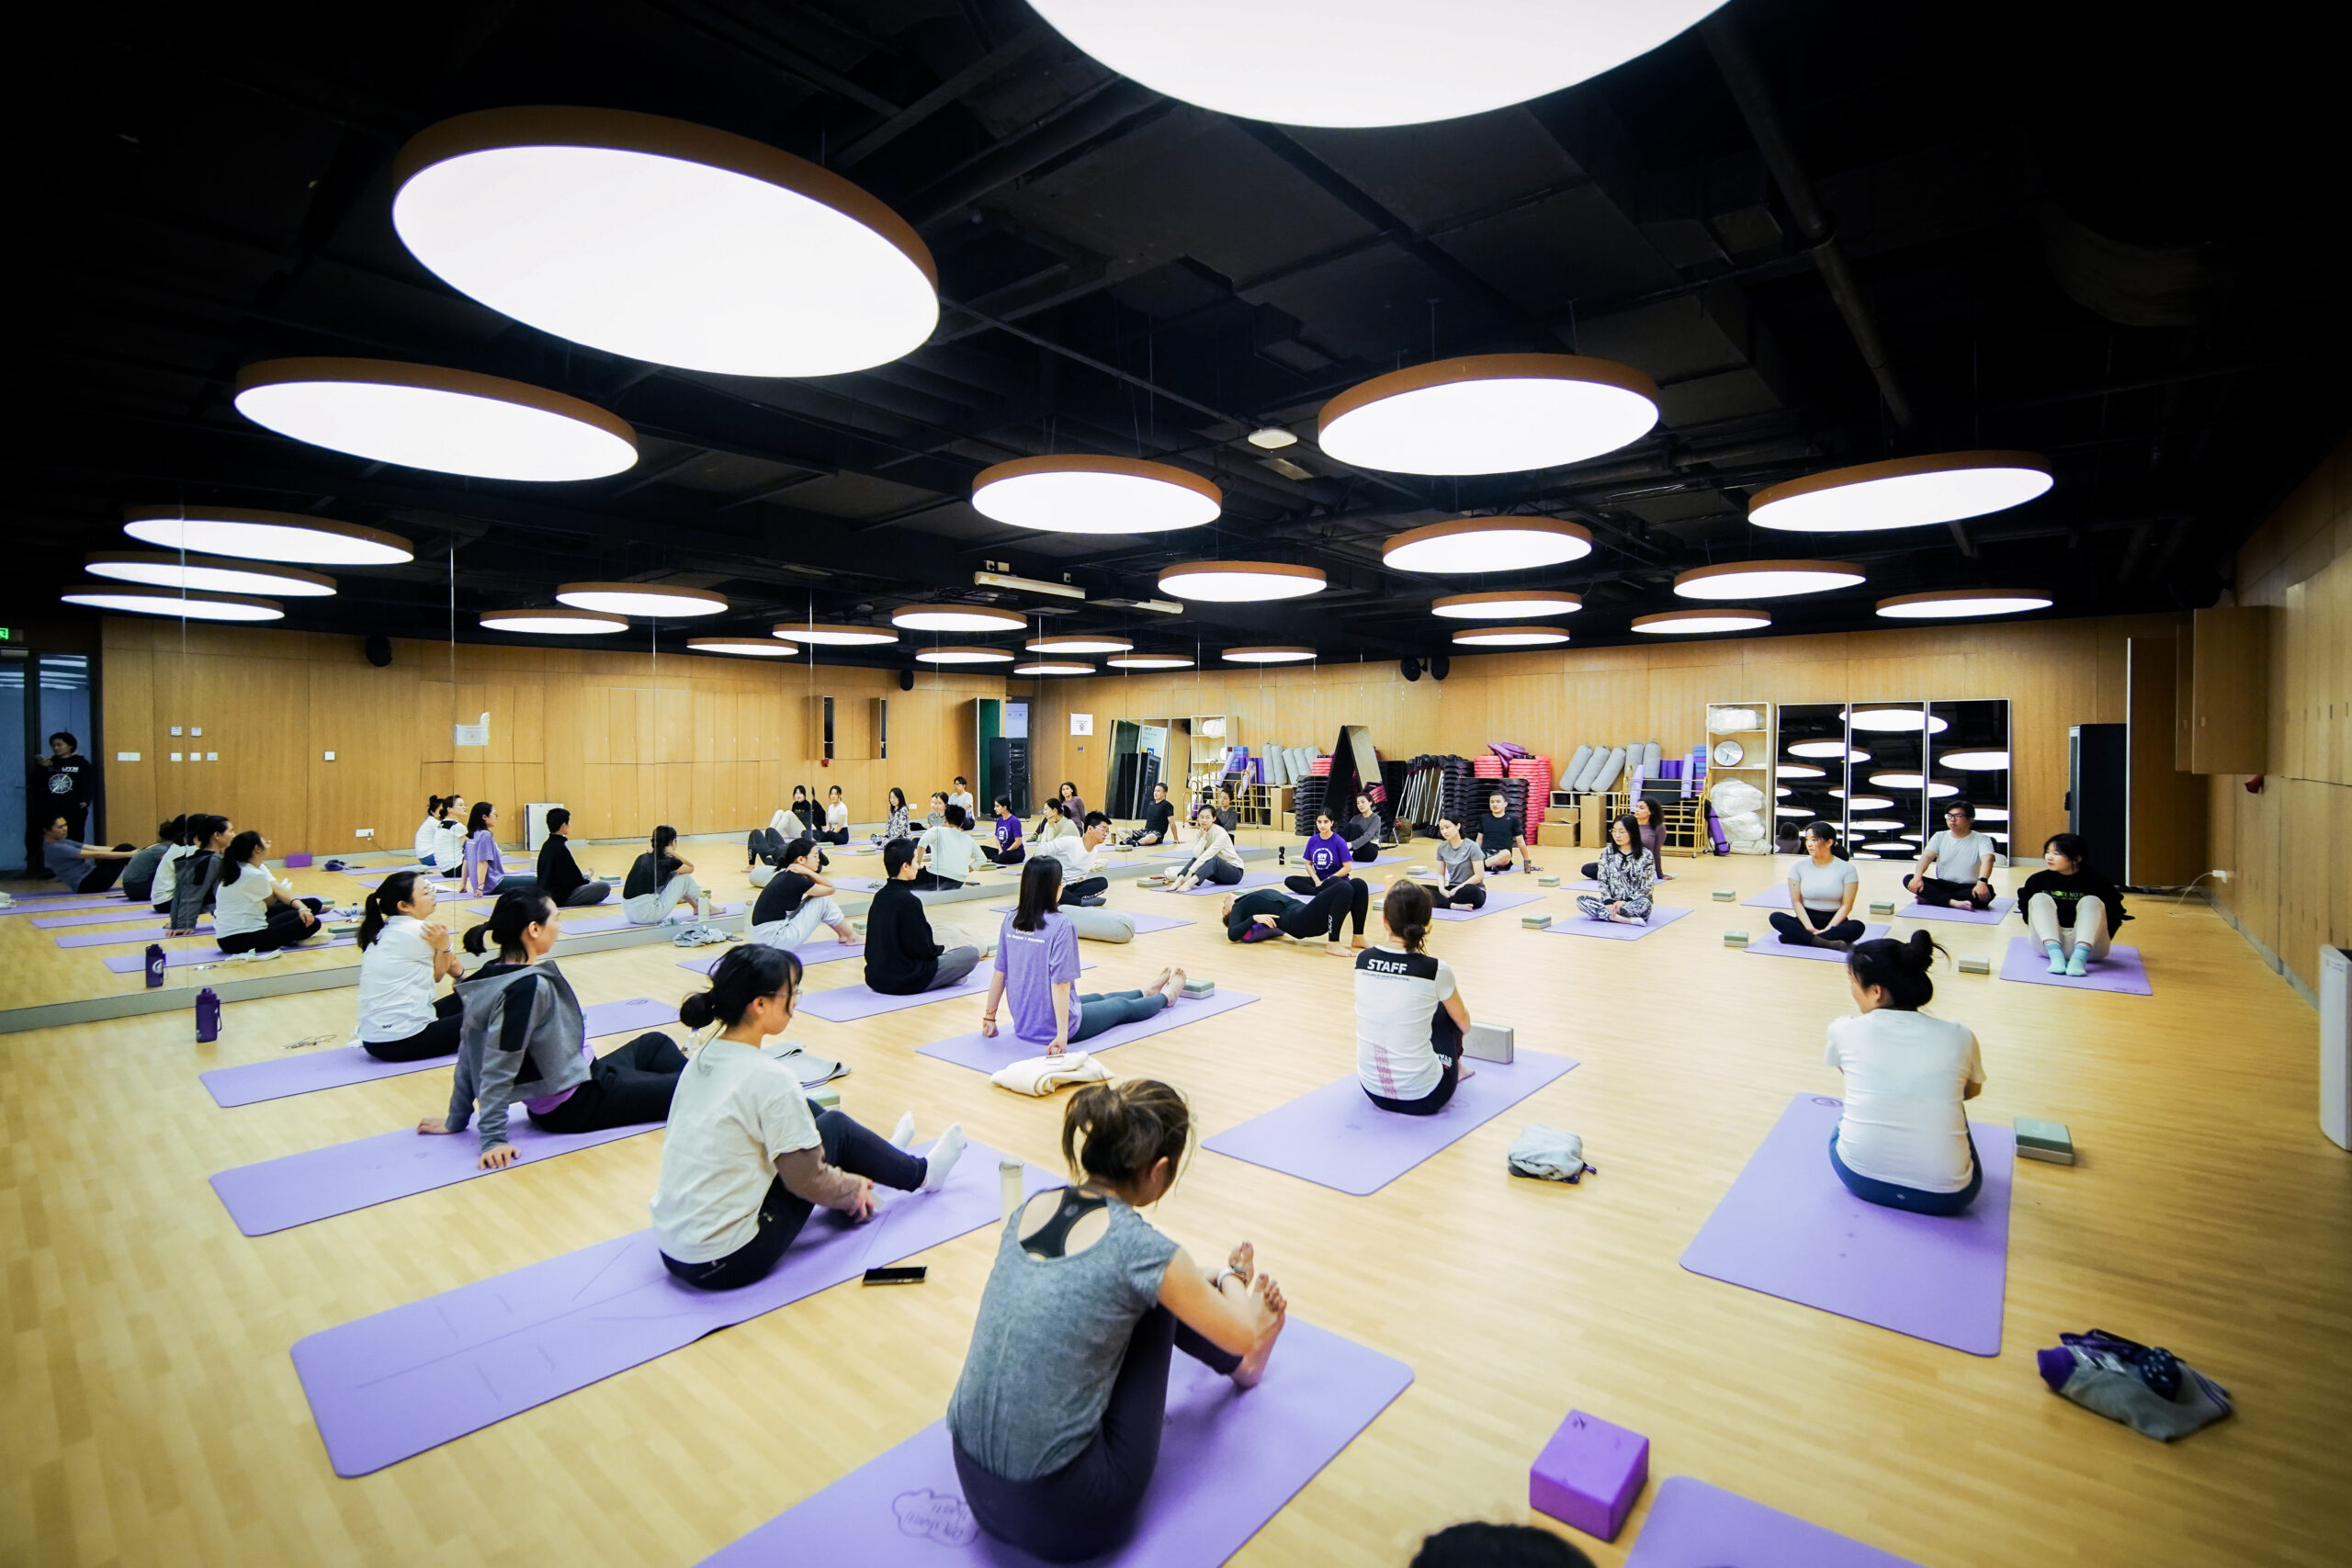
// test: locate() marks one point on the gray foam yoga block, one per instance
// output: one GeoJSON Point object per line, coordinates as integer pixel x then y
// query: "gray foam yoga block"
{"type": "Point", "coordinates": [1490, 1042]}
{"type": "Point", "coordinates": [1976, 965]}
{"type": "Point", "coordinates": [1200, 988]}
{"type": "Point", "coordinates": [1725, 895]}
{"type": "Point", "coordinates": [2043, 1140]}
{"type": "Point", "coordinates": [827, 1094]}
{"type": "Point", "coordinates": [1535, 922]}
{"type": "Point", "coordinates": [1882, 906]}
{"type": "Point", "coordinates": [1547, 881]}
{"type": "Point", "coordinates": [1734, 939]}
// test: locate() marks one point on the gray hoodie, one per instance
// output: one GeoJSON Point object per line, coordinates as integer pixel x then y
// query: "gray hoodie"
{"type": "Point", "coordinates": [491, 1044]}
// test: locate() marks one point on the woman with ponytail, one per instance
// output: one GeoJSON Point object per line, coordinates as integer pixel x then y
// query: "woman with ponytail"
{"type": "Point", "coordinates": [254, 912]}
{"type": "Point", "coordinates": [659, 881]}
{"type": "Point", "coordinates": [404, 954]}
{"type": "Point", "coordinates": [1036, 965]}
{"type": "Point", "coordinates": [1057, 1419]}
{"type": "Point", "coordinates": [748, 1156]}
{"type": "Point", "coordinates": [430, 830]}
{"type": "Point", "coordinates": [522, 1038]}
{"type": "Point", "coordinates": [1410, 1014]}
{"type": "Point", "coordinates": [1903, 1141]}
{"type": "Point", "coordinates": [484, 866]}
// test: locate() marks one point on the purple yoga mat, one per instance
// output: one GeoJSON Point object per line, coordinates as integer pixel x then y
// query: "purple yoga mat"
{"type": "Point", "coordinates": [115, 936]}
{"type": "Point", "coordinates": [52, 903]}
{"type": "Point", "coordinates": [1767, 942]}
{"type": "Point", "coordinates": [1145, 921]}
{"type": "Point", "coordinates": [1915, 910]}
{"type": "Point", "coordinates": [1789, 1228]}
{"type": "Point", "coordinates": [1248, 879]}
{"type": "Point", "coordinates": [1694, 1524]}
{"type": "Point", "coordinates": [2123, 971]}
{"type": "Point", "coordinates": [818, 950]}
{"type": "Point", "coordinates": [254, 1082]}
{"type": "Point", "coordinates": [414, 1377]}
{"type": "Point", "coordinates": [1497, 900]}
{"type": "Point", "coordinates": [1228, 1462]}
{"type": "Point", "coordinates": [985, 1055]}
{"type": "Point", "coordinates": [179, 958]}
{"type": "Point", "coordinates": [1610, 931]}
{"type": "Point", "coordinates": [847, 1004]}
{"type": "Point", "coordinates": [124, 916]}
{"type": "Point", "coordinates": [1336, 1137]}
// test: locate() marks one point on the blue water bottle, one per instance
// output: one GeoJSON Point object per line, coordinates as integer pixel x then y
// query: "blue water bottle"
{"type": "Point", "coordinates": [154, 965]}
{"type": "Point", "coordinates": [208, 1016]}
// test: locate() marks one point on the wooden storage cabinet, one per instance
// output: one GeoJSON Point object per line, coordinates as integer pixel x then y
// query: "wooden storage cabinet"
{"type": "Point", "coordinates": [2229, 692]}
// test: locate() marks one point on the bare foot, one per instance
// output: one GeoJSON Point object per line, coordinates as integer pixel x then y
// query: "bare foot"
{"type": "Point", "coordinates": [1357, 941]}
{"type": "Point", "coordinates": [1465, 1072]}
{"type": "Point", "coordinates": [1172, 988]}
{"type": "Point", "coordinates": [1336, 948]}
{"type": "Point", "coordinates": [1160, 982]}
{"type": "Point", "coordinates": [1243, 1262]}
{"type": "Point", "coordinates": [846, 936]}
{"type": "Point", "coordinates": [1253, 1365]}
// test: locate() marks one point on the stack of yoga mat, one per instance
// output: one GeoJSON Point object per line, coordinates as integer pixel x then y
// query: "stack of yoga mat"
{"type": "Point", "coordinates": [1607, 767]}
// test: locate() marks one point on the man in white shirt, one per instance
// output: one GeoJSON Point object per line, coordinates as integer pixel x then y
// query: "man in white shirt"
{"type": "Point", "coordinates": [947, 856]}
{"type": "Point", "coordinates": [1081, 862]}
{"type": "Point", "coordinates": [1963, 859]}
{"type": "Point", "coordinates": [962, 795]}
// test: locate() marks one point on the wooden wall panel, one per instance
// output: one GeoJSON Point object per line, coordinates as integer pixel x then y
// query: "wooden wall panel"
{"type": "Point", "coordinates": [2166, 830]}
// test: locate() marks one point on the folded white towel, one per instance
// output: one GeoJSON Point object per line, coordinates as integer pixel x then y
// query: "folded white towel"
{"type": "Point", "coordinates": [1041, 1075]}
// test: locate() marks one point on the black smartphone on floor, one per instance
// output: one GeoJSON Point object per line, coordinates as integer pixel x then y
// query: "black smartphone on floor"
{"type": "Point", "coordinates": [908, 1274]}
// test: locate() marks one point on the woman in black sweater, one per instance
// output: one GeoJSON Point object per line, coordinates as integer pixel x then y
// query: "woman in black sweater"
{"type": "Point", "coordinates": [2072, 910]}
{"type": "Point", "coordinates": [901, 957]}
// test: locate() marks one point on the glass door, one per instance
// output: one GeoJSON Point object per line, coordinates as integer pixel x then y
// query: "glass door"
{"type": "Point", "coordinates": [1886, 804]}
{"type": "Point", "coordinates": [1968, 755]}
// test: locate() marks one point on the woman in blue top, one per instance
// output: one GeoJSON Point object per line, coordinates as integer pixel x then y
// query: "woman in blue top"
{"type": "Point", "coordinates": [1037, 962]}
{"type": "Point", "coordinates": [1008, 849]}
{"type": "Point", "coordinates": [1327, 855]}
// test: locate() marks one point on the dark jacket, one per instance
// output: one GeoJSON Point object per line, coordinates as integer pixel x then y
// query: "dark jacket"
{"type": "Point", "coordinates": [560, 875]}
{"type": "Point", "coordinates": [901, 959]}
{"type": "Point", "coordinates": [2065, 890]}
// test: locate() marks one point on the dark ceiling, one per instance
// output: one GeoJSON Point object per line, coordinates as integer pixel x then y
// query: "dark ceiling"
{"type": "Point", "coordinates": [2077, 236]}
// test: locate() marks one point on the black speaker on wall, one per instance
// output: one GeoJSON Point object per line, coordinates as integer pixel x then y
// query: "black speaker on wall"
{"type": "Point", "coordinates": [1440, 666]}
{"type": "Point", "coordinates": [1409, 668]}
{"type": "Point", "coordinates": [379, 649]}
{"type": "Point", "coordinates": [906, 680]}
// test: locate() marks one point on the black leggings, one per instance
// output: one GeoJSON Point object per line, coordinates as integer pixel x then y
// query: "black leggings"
{"type": "Point", "coordinates": [439, 1038]}
{"type": "Point", "coordinates": [1471, 897]}
{"type": "Point", "coordinates": [632, 1085]}
{"type": "Point", "coordinates": [1011, 855]}
{"type": "Point", "coordinates": [1446, 1038]}
{"type": "Point", "coordinates": [99, 875]}
{"type": "Point", "coordinates": [1088, 1506]}
{"type": "Point", "coordinates": [930, 881]}
{"type": "Point", "coordinates": [830, 835]}
{"type": "Point", "coordinates": [1219, 869]}
{"type": "Point", "coordinates": [848, 1144]}
{"type": "Point", "coordinates": [766, 844]}
{"type": "Point", "coordinates": [1086, 887]}
{"type": "Point", "coordinates": [1364, 855]}
{"type": "Point", "coordinates": [1340, 899]}
{"type": "Point", "coordinates": [587, 893]}
{"type": "Point", "coordinates": [1823, 923]}
{"type": "Point", "coordinates": [285, 929]}
{"type": "Point", "coordinates": [1957, 895]}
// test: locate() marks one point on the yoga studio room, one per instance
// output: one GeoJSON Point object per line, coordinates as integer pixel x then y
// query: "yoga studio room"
{"type": "Point", "coordinates": [1310, 783]}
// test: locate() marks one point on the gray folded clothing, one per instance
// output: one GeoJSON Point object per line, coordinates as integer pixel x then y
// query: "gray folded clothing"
{"type": "Point", "coordinates": [2148, 1389]}
{"type": "Point", "coordinates": [1548, 1154]}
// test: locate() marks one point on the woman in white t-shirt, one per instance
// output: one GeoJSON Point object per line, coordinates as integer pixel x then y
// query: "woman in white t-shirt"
{"type": "Point", "coordinates": [836, 829]}
{"type": "Point", "coordinates": [1821, 896]}
{"type": "Point", "coordinates": [1904, 1139]}
{"type": "Point", "coordinates": [403, 955]}
{"type": "Point", "coordinates": [252, 911]}
{"type": "Point", "coordinates": [748, 1158]}
{"type": "Point", "coordinates": [1410, 1015]}
{"type": "Point", "coordinates": [433, 829]}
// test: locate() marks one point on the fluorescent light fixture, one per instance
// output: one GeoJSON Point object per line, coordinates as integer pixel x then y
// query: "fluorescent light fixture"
{"type": "Point", "coordinates": [1693, 623]}
{"type": "Point", "coordinates": [208, 574]}
{"type": "Point", "coordinates": [1368, 62]}
{"type": "Point", "coordinates": [1895, 721]}
{"type": "Point", "coordinates": [1991, 814]}
{"type": "Point", "coordinates": [421, 416]}
{"type": "Point", "coordinates": [1486, 544]}
{"type": "Point", "coordinates": [1080, 642]}
{"type": "Point", "coordinates": [1240, 581]}
{"type": "Point", "coordinates": [1882, 846]}
{"type": "Point", "coordinates": [747, 646]}
{"type": "Point", "coordinates": [1271, 438]}
{"type": "Point", "coordinates": [1973, 761]}
{"type": "Point", "coordinates": [652, 601]}
{"type": "Point", "coordinates": [1913, 782]}
{"type": "Point", "coordinates": [1028, 584]}
{"type": "Point", "coordinates": [554, 622]}
{"type": "Point", "coordinates": [1865, 801]}
{"type": "Point", "coordinates": [1953, 603]}
{"type": "Point", "coordinates": [1148, 661]}
{"type": "Point", "coordinates": [1269, 654]}
{"type": "Point", "coordinates": [1874, 824]}
{"type": "Point", "coordinates": [835, 636]}
{"type": "Point", "coordinates": [663, 241]}
{"type": "Point", "coordinates": [1783, 790]}
{"type": "Point", "coordinates": [1510, 603]}
{"type": "Point", "coordinates": [1054, 667]}
{"type": "Point", "coordinates": [249, 535]}
{"type": "Point", "coordinates": [1817, 748]}
{"type": "Point", "coordinates": [1095, 495]}
{"type": "Point", "coordinates": [138, 600]}
{"type": "Point", "coordinates": [1904, 492]}
{"type": "Point", "coordinates": [1489, 414]}
{"type": "Point", "coordinates": [964, 656]}
{"type": "Point", "coordinates": [1507, 636]}
{"type": "Point", "coordinates": [1766, 579]}
{"type": "Point", "coordinates": [1799, 771]}
{"type": "Point", "coordinates": [957, 618]}
{"type": "Point", "coordinates": [1789, 810]}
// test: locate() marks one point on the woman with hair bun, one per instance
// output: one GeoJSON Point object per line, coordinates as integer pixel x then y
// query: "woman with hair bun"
{"type": "Point", "coordinates": [748, 1156]}
{"type": "Point", "coordinates": [1410, 1015]}
{"type": "Point", "coordinates": [1057, 1419]}
{"type": "Point", "coordinates": [404, 954]}
{"type": "Point", "coordinates": [1903, 1141]}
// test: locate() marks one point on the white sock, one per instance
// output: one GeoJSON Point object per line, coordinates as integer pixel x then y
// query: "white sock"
{"type": "Point", "coordinates": [904, 1135]}
{"type": "Point", "coordinates": [943, 1158]}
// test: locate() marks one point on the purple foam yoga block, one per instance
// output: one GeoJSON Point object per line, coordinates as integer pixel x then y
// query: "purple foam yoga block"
{"type": "Point", "coordinates": [1589, 1475]}
{"type": "Point", "coordinates": [297, 861]}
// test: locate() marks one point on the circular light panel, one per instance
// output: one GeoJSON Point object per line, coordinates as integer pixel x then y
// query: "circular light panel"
{"type": "Point", "coordinates": [1080, 642]}
{"type": "Point", "coordinates": [1148, 661]}
{"type": "Point", "coordinates": [264, 535]}
{"type": "Point", "coordinates": [1691, 622]}
{"type": "Point", "coordinates": [1095, 495]}
{"type": "Point", "coordinates": [1489, 414]}
{"type": "Point", "coordinates": [554, 622]}
{"type": "Point", "coordinates": [1956, 603]}
{"type": "Point", "coordinates": [1508, 636]}
{"type": "Point", "coordinates": [1799, 771]}
{"type": "Point", "coordinates": [1817, 748]}
{"type": "Point", "coordinates": [1874, 824]}
{"type": "Point", "coordinates": [1054, 667]}
{"type": "Point", "coordinates": [835, 636]}
{"type": "Point", "coordinates": [747, 646]}
{"type": "Point", "coordinates": [1767, 579]}
{"type": "Point", "coordinates": [1904, 492]}
{"type": "Point", "coordinates": [1865, 801]}
{"type": "Point", "coordinates": [205, 574]}
{"type": "Point", "coordinates": [964, 656]}
{"type": "Point", "coordinates": [1269, 654]}
{"type": "Point", "coordinates": [1973, 761]}
{"type": "Point", "coordinates": [1486, 544]}
{"type": "Point", "coordinates": [1505, 605]}
{"type": "Point", "coordinates": [1894, 721]}
{"type": "Point", "coordinates": [954, 619]}
{"type": "Point", "coordinates": [421, 416]}
{"type": "Point", "coordinates": [1240, 581]}
{"type": "Point", "coordinates": [652, 601]}
{"type": "Point", "coordinates": [143, 601]}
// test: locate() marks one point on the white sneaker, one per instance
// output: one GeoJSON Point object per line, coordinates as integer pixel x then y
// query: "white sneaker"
{"type": "Point", "coordinates": [943, 1158]}
{"type": "Point", "coordinates": [902, 1137]}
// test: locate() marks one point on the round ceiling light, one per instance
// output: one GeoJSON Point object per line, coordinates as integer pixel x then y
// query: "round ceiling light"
{"type": "Point", "coordinates": [1054, 667]}
{"type": "Point", "coordinates": [1791, 811]}
{"type": "Point", "coordinates": [1958, 603]}
{"type": "Point", "coordinates": [1271, 438]}
{"type": "Point", "coordinates": [1691, 622]}
{"type": "Point", "coordinates": [1509, 604]}
{"type": "Point", "coordinates": [143, 601]}
{"type": "Point", "coordinates": [1270, 654]}
{"type": "Point", "coordinates": [1799, 771]}
{"type": "Point", "coordinates": [964, 656]}
{"type": "Point", "coordinates": [1489, 414]}
{"type": "Point", "coordinates": [554, 622]}
{"type": "Point", "coordinates": [448, 421]}
{"type": "Point", "coordinates": [1864, 802]}
{"type": "Point", "coordinates": [835, 636]}
{"type": "Point", "coordinates": [1873, 823]}
{"type": "Point", "coordinates": [1486, 544]}
{"type": "Point", "coordinates": [1913, 782]}
{"type": "Point", "coordinates": [264, 535]}
{"type": "Point", "coordinates": [1895, 721]}
{"type": "Point", "coordinates": [1882, 846]}
{"type": "Point", "coordinates": [1507, 636]}
{"type": "Point", "coordinates": [1240, 581]}
{"type": "Point", "coordinates": [208, 575]}
{"type": "Point", "coordinates": [1991, 814]}
{"type": "Point", "coordinates": [746, 647]}
{"type": "Point", "coordinates": [1372, 62]}
{"type": "Point", "coordinates": [664, 240]}
{"type": "Point", "coordinates": [1817, 748]}
{"type": "Point", "coordinates": [1904, 492]}
{"type": "Point", "coordinates": [1095, 495]}
{"type": "Point", "coordinates": [955, 619]}
{"type": "Point", "coordinates": [652, 601]}
{"type": "Point", "coordinates": [1973, 761]}
{"type": "Point", "coordinates": [1080, 642]}
{"type": "Point", "coordinates": [1766, 579]}
{"type": "Point", "coordinates": [1148, 661]}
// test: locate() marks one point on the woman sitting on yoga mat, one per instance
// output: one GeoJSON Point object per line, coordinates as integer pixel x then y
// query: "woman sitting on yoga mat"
{"type": "Point", "coordinates": [836, 830]}
{"type": "Point", "coordinates": [430, 832]}
{"type": "Point", "coordinates": [1625, 876]}
{"type": "Point", "coordinates": [139, 873]}
{"type": "Point", "coordinates": [1652, 832]}
{"type": "Point", "coordinates": [1821, 896]}
{"type": "Point", "coordinates": [1007, 850]}
{"type": "Point", "coordinates": [799, 900]}
{"type": "Point", "coordinates": [1324, 856]}
{"type": "Point", "coordinates": [485, 867]}
{"type": "Point", "coordinates": [1461, 870]}
{"type": "Point", "coordinates": [1963, 859]}
{"type": "Point", "coordinates": [1410, 1015]}
{"type": "Point", "coordinates": [902, 958]}
{"type": "Point", "coordinates": [1214, 857]}
{"type": "Point", "coordinates": [748, 1156]}
{"type": "Point", "coordinates": [1057, 1419]}
{"type": "Point", "coordinates": [83, 868]}
{"type": "Point", "coordinates": [804, 809]}
{"type": "Point", "coordinates": [2071, 908]}
{"type": "Point", "coordinates": [659, 881]}
{"type": "Point", "coordinates": [900, 825]}
{"type": "Point", "coordinates": [522, 1038]}
{"type": "Point", "coordinates": [1363, 831]}
{"type": "Point", "coordinates": [1265, 913]}
{"type": "Point", "coordinates": [253, 912]}
{"type": "Point", "coordinates": [1036, 964]}
{"type": "Point", "coordinates": [188, 881]}
{"type": "Point", "coordinates": [404, 954]}
{"type": "Point", "coordinates": [1903, 1141]}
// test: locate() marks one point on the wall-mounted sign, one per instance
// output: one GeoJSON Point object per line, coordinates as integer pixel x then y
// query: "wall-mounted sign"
{"type": "Point", "coordinates": [1082, 724]}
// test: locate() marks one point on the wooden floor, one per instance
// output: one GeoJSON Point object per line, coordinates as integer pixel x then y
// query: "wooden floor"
{"type": "Point", "coordinates": [153, 1415]}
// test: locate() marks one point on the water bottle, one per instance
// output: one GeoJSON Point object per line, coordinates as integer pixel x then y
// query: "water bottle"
{"type": "Point", "coordinates": [1009, 1185]}
{"type": "Point", "coordinates": [208, 1016]}
{"type": "Point", "coordinates": [1281, 855]}
{"type": "Point", "coordinates": [154, 965]}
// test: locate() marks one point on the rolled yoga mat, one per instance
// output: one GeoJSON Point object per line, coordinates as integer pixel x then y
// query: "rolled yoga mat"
{"type": "Point", "coordinates": [1993, 916]}
{"type": "Point", "coordinates": [1610, 931]}
{"type": "Point", "coordinates": [985, 1055]}
{"type": "Point", "coordinates": [817, 950]}
{"type": "Point", "coordinates": [2123, 971]}
{"type": "Point", "coordinates": [1145, 923]}
{"type": "Point", "coordinates": [1694, 1524]}
{"type": "Point", "coordinates": [1769, 941]}
{"type": "Point", "coordinates": [1497, 899]}
{"type": "Point", "coordinates": [395, 1384]}
{"type": "Point", "coordinates": [179, 958]}
{"type": "Point", "coordinates": [1788, 1228]}
{"type": "Point", "coordinates": [279, 1078]}
{"type": "Point", "coordinates": [1228, 1463]}
{"type": "Point", "coordinates": [1336, 1137]}
{"type": "Point", "coordinates": [847, 1004]}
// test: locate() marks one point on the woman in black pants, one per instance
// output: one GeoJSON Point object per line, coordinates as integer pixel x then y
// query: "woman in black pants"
{"type": "Point", "coordinates": [748, 1158]}
{"type": "Point", "coordinates": [1362, 832]}
{"type": "Point", "coordinates": [1263, 913]}
{"type": "Point", "coordinates": [1822, 887]}
{"type": "Point", "coordinates": [1410, 1015]}
{"type": "Point", "coordinates": [403, 954]}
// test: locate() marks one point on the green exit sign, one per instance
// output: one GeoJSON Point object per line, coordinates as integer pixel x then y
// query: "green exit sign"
{"type": "Point", "coordinates": [9, 634]}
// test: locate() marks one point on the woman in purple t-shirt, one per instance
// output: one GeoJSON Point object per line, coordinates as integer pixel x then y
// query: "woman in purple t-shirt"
{"type": "Point", "coordinates": [1036, 965]}
{"type": "Point", "coordinates": [1008, 849]}
{"type": "Point", "coordinates": [1325, 857]}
